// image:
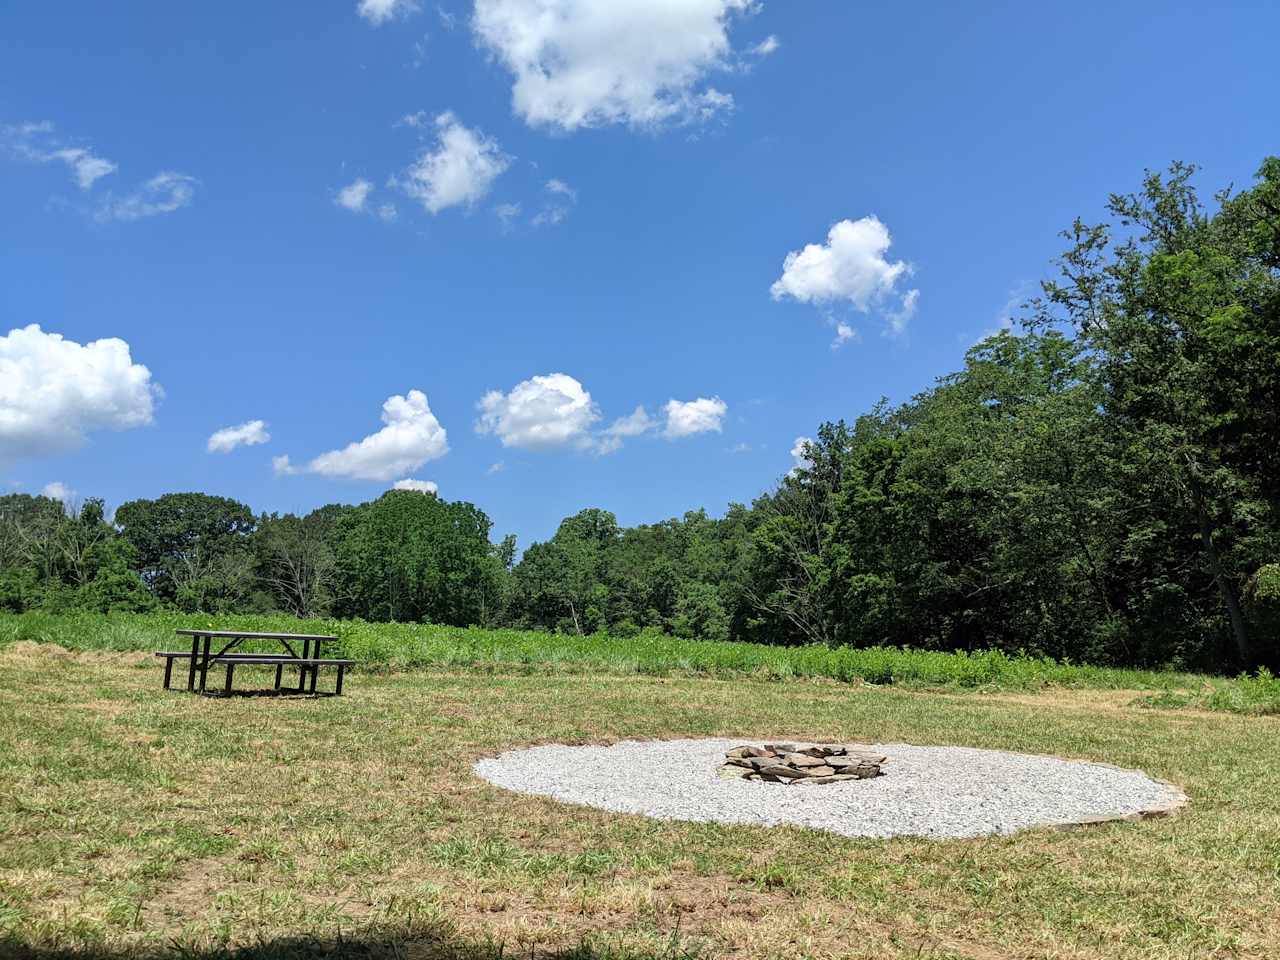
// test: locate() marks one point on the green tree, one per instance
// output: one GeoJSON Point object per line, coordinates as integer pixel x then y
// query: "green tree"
{"type": "Point", "coordinates": [1182, 311]}
{"type": "Point", "coordinates": [190, 539]}
{"type": "Point", "coordinates": [410, 556]}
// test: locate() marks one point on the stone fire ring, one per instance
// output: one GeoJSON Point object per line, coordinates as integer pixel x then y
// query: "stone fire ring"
{"type": "Point", "coordinates": [922, 792]}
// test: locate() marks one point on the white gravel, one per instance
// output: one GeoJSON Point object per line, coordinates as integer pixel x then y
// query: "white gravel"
{"type": "Point", "coordinates": [925, 791]}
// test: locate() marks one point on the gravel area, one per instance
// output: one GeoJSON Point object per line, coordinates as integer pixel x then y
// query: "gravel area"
{"type": "Point", "coordinates": [926, 791]}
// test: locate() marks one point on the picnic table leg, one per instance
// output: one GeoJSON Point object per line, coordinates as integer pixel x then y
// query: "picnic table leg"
{"type": "Point", "coordinates": [168, 671]}
{"type": "Point", "coordinates": [204, 664]}
{"type": "Point", "coordinates": [315, 672]}
{"type": "Point", "coordinates": [230, 668]}
{"type": "Point", "coordinates": [279, 673]}
{"type": "Point", "coordinates": [338, 690]}
{"type": "Point", "coordinates": [302, 671]}
{"type": "Point", "coordinates": [191, 672]}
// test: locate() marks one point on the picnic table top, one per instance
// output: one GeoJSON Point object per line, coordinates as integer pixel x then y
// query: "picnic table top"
{"type": "Point", "coordinates": [250, 635]}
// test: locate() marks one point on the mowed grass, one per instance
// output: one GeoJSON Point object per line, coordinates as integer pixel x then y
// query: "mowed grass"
{"type": "Point", "coordinates": [396, 646]}
{"type": "Point", "coordinates": [135, 821]}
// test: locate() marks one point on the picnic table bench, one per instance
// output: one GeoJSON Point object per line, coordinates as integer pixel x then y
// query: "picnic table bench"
{"type": "Point", "coordinates": [202, 656]}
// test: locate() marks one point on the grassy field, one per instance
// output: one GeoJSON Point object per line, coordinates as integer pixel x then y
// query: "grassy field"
{"type": "Point", "coordinates": [137, 822]}
{"type": "Point", "coordinates": [397, 646]}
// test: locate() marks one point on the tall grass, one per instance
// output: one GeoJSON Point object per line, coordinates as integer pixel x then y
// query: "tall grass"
{"type": "Point", "coordinates": [400, 645]}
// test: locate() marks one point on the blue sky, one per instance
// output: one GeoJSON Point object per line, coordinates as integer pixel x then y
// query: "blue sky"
{"type": "Point", "coordinates": [606, 191]}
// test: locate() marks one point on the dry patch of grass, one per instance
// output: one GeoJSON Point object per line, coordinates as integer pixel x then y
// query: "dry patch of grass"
{"type": "Point", "coordinates": [135, 821]}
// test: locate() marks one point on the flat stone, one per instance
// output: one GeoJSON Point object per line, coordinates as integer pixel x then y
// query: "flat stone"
{"type": "Point", "coordinates": [729, 772]}
{"type": "Point", "coordinates": [780, 770]}
{"type": "Point", "coordinates": [802, 760]}
{"type": "Point", "coordinates": [739, 752]}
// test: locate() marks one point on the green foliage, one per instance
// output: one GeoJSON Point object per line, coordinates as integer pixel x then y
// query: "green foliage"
{"type": "Point", "coordinates": [191, 547]}
{"type": "Point", "coordinates": [411, 556]}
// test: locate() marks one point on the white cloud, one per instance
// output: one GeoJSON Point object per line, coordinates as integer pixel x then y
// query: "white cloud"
{"type": "Point", "coordinates": [561, 197]}
{"type": "Point", "coordinates": [850, 266]}
{"type": "Point", "coordinates": [36, 142]}
{"type": "Point", "coordinates": [354, 195]}
{"type": "Point", "coordinates": [378, 12]}
{"type": "Point", "coordinates": [421, 486]}
{"type": "Point", "coordinates": [459, 170]}
{"type": "Point", "coordinates": [540, 413]}
{"type": "Point", "coordinates": [633, 424]}
{"type": "Point", "coordinates": [85, 167]}
{"type": "Point", "coordinates": [584, 63]}
{"type": "Point", "coordinates": [898, 319]}
{"type": "Point", "coordinates": [766, 46]}
{"type": "Point", "coordinates": [57, 490]}
{"type": "Point", "coordinates": [246, 434]}
{"type": "Point", "coordinates": [507, 213]}
{"type": "Point", "coordinates": [54, 391]}
{"type": "Point", "coordinates": [411, 437]}
{"type": "Point", "coordinates": [496, 467]}
{"type": "Point", "coordinates": [799, 455]}
{"type": "Point", "coordinates": [163, 193]}
{"type": "Point", "coordinates": [561, 188]}
{"type": "Point", "coordinates": [687, 417]}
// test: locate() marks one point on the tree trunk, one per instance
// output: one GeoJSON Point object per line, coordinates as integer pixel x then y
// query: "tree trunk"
{"type": "Point", "coordinates": [1239, 633]}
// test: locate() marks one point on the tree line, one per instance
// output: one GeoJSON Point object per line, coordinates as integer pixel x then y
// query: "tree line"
{"type": "Point", "coordinates": [1102, 484]}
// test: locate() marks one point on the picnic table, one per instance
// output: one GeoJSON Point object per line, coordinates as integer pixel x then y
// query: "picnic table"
{"type": "Point", "coordinates": [202, 656]}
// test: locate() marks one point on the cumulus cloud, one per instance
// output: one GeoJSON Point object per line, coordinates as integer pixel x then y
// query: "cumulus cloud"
{"type": "Point", "coordinates": [541, 413]}
{"type": "Point", "coordinates": [411, 437]}
{"type": "Point", "coordinates": [584, 63]}
{"type": "Point", "coordinates": [163, 193]}
{"type": "Point", "coordinates": [354, 195]}
{"type": "Point", "coordinates": [421, 486]}
{"type": "Point", "coordinates": [687, 417]}
{"type": "Point", "coordinates": [800, 455]}
{"type": "Point", "coordinates": [57, 490]}
{"type": "Point", "coordinates": [634, 424]}
{"type": "Point", "coordinates": [851, 267]}
{"type": "Point", "coordinates": [246, 434]}
{"type": "Point", "coordinates": [459, 170]}
{"type": "Point", "coordinates": [54, 391]}
{"type": "Point", "coordinates": [378, 12]}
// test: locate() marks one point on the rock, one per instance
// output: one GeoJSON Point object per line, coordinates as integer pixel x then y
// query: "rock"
{"type": "Point", "coordinates": [787, 763]}
{"type": "Point", "coordinates": [781, 770]}
{"type": "Point", "coordinates": [802, 760]}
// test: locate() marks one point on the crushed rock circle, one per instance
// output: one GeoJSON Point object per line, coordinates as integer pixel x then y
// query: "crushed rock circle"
{"type": "Point", "coordinates": [952, 792]}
